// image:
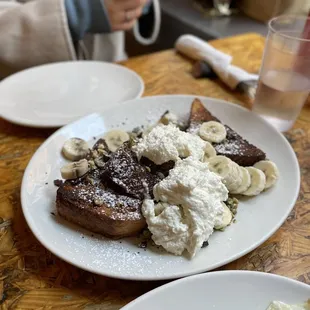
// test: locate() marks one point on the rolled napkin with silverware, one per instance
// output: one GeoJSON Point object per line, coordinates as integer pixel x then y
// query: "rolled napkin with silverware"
{"type": "Point", "coordinates": [197, 49]}
{"type": "Point", "coordinates": [234, 77]}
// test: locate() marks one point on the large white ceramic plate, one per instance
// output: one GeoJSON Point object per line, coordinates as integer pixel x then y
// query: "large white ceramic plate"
{"type": "Point", "coordinates": [258, 218]}
{"type": "Point", "coordinates": [56, 94]}
{"type": "Point", "coordinates": [223, 290]}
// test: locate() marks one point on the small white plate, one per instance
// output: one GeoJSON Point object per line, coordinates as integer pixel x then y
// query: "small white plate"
{"type": "Point", "coordinates": [54, 95]}
{"type": "Point", "coordinates": [257, 219]}
{"type": "Point", "coordinates": [223, 290]}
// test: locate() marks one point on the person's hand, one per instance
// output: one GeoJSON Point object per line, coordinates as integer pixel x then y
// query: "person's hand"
{"type": "Point", "coordinates": [124, 13]}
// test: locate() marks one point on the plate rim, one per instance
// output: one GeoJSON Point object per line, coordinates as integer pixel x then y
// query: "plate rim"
{"type": "Point", "coordinates": [184, 274]}
{"type": "Point", "coordinates": [22, 122]}
{"type": "Point", "coordinates": [211, 274]}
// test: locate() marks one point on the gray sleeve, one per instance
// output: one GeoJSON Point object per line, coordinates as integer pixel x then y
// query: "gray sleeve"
{"type": "Point", "coordinates": [32, 34]}
{"type": "Point", "coordinates": [87, 16]}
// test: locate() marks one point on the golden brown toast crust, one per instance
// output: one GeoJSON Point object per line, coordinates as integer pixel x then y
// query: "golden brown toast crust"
{"type": "Point", "coordinates": [234, 147]}
{"type": "Point", "coordinates": [108, 200]}
{"type": "Point", "coordinates": [100, 210]}
{"type": "Point", "coordinates": [199, 114]}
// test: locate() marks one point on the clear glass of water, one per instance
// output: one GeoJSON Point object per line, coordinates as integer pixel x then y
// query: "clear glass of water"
{"type": "Point", "coordinates": [284, 83]}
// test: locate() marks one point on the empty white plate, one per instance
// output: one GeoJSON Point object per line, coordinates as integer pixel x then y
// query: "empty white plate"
{"type": "Point", "coordinates": [54, 95]}
{"type": "Point", "coordinates": [257, 219]}
{"type": "Point", "coordinates": [223, 290]}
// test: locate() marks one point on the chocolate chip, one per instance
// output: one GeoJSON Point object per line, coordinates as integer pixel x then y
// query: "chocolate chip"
{"type": "Point", "coordinates": [205, 244]}
{"type": "Point", "coordinates": [58, 183]}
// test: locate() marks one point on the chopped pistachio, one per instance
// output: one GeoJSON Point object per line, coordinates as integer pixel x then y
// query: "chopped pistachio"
{"type": "Point", "coordinates": [95, 154]}
{"type": "Point", "coordinates": [101, 146]}
{"type": "Point", "coordinates": [102, 152]}
{"type": "Point", "coordinates": [232, 204]}
{"type": "Point", "coordinates": [91, 180]}
{"type": "Point", "coordinates": [146, 234]}
{"type": "Point", "coordinates": [91, 164]}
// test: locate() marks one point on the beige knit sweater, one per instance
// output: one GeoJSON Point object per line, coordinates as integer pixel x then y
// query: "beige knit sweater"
{"type": "Point", "coordinates": [37, 33]}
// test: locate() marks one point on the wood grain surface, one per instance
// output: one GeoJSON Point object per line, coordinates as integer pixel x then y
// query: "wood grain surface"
{"type": "Point", "coordinates": [32, 278]}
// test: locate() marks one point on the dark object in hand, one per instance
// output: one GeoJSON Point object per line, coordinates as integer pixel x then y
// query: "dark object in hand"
{"type": "Point", "coordinates": [202, 70]}
{"type": "Point", "coordinates": [146, 22]}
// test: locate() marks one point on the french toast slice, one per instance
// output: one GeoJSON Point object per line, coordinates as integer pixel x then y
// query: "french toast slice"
{"type": "Point", "coordinates": [100, 210]}
{"type": "Point", "coordinates": [108, 200]}
{"type": "Point", "coordinates": [234, 146]}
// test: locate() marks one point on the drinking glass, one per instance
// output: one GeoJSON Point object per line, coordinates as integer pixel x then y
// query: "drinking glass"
{"type": "Point", "coordinates": [284, 82]}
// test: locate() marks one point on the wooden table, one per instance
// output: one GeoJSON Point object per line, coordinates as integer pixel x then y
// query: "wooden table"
{"type": "Point", "coordinates": [33, 278]}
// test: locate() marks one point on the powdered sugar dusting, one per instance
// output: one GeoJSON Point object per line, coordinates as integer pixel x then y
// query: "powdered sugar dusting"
{"type": "Point", "coordinates": [233, 145]}
{"type": "Point", "coordinates": [119, 257]}
{"type": "Point", "coordinates": [194, 128]}
{"type": "Point", "coordinates": [122, 207]}
{"type": "Point", "coordinates": [130, 258]}
{"type": "Point", "coordinates": [228, 147]}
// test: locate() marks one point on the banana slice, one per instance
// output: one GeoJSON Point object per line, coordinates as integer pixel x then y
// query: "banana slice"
{"type": "Point", "coordinates": [115, 138]}
{"type": "Point", "coordinates": [228, 170]}
{"type": "Point", "coordinates": [225, 220]}
{"type": "Point", "coordinates": [270, 170]}
{"type": "Point", "coordinates": [75, 149]}
{"type": "Point", "coordinates": [246, 181]}
{"type": "Point", "coordinates": [74, 170]}
{"type": "Point", "coordinates": [258, 182]}
{"type": "Point", "coordinates": [209, 151]}
{"type": "Point", "coordinates": [212, 132]}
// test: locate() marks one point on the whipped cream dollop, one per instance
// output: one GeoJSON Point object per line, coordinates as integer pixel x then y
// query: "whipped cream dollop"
{"type": "Point", "coordinates": [167, 142]}
{"type": "Point", "coordinates": [189, 204]}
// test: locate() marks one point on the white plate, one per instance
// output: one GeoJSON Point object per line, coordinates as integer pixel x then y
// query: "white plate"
{"type": "Point", "coordinates": [258, 218]}
{"type": "Point", "coordinates": [56, 94]}
{"type": "Point", "coordinates": [223, 290]}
